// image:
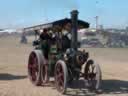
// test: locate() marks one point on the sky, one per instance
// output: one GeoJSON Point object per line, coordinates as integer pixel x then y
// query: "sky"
{"type": "Point", "coordinates": [23, 13]}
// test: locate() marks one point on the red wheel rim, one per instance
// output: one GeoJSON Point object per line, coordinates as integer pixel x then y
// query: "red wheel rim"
{"type": "Point", "coordinates": [59, 76]}
{"type": "Point", "coordinates": [33, 67]}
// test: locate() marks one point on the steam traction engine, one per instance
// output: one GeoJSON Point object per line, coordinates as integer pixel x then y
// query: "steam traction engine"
{"type": "Point", "coordinates": [64, 66]}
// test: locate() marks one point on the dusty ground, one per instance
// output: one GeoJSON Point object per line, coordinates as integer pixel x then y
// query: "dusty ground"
{"type": "Point", "coordinates": [13, 71]}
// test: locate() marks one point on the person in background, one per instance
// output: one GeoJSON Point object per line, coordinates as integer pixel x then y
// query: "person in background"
{"type": "Point", "coordinates": [23, 38]}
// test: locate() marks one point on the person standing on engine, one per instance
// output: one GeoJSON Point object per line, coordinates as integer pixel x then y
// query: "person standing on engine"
{"type": "Point", "coordinates": [66, 37]}
{"type": "Point", "coordinates": [45, 42]}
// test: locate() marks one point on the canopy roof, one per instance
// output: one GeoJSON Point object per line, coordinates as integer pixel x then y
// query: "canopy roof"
{"type": "Point", "coordinates": [66, 20]}
{"type": "Point", "coordinates": [60, 22]}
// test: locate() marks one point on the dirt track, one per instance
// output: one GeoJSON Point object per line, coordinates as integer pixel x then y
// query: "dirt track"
{"type": "Point", "coordinates": [13, 71]}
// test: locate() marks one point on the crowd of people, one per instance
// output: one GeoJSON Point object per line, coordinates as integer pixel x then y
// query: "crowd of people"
{"type": "Point", "coordinates": [50, 37]}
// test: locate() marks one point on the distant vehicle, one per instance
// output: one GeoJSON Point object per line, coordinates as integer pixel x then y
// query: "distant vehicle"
{"type": "Point", "coordinates": [91, 43]}
{"type": "Point", "coordinates": [2, 31]}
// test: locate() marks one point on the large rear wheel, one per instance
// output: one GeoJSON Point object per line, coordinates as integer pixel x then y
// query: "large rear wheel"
{"type": "Point", "coordinates": [34, 67]}
{"type": "Point", "coordinates": [61, 75]}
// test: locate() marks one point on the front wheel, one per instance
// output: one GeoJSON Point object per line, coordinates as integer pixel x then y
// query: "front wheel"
{"type": "Point", "coordinates": [93, 75]}
{"type": "Point", "coordinates": [61, 75]}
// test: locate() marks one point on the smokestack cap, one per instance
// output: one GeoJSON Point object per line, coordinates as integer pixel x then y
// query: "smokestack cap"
{"type": "Point", "coordinates": [74, 12]}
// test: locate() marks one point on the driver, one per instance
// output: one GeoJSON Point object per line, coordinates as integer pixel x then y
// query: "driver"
{"type": "Point", "coordinates": [66, 37]}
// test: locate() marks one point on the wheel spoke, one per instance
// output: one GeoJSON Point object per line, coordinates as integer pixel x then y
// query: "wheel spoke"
{"type": "Point", "coordinates": [62, 81]}
{"type": "Point", "coordinates": [34, 77]}
{"type": "Point", "coordinates": [33, 66]}
{"type": "Point", "coordinates": [30, 66]}
{"type": "Point", "coordinates": [93, 67]}
{"type": "Point", "coordinates": [58, 76]}
{"type": "Point", "coordinates": [33, 74]}
{"type": "Point", "coordinates": [59, 68]}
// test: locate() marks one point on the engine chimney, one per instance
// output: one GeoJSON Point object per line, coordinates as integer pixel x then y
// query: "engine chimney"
{"type": "Point", "coordinates": [74, 19]}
